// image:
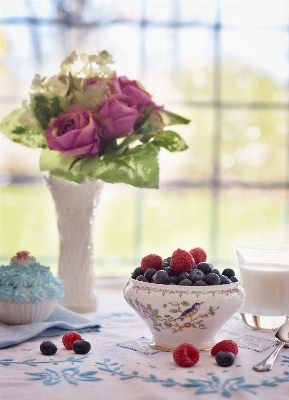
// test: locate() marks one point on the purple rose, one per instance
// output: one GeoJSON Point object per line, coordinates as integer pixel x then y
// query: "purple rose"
{"type": "Point", "coordinates": [74, 134]}
{"type": "Point", "coordinates": [135, 93]}
{"type": "Point", "coordinates": [116, 118]}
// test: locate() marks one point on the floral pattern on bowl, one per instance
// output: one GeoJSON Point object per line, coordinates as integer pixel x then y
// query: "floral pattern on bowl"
{"type": "Point", "coordinates": [177, 315]}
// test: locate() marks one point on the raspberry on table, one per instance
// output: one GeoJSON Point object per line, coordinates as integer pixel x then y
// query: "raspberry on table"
{"type": "Point", "coordinates": [186, 355]}
{"type": "Point", "coordinates": [225, 358]}
{"type": "Point", "coordinates": [81, 346]}
{"type": "Point", "coordinates": [181, 261]}
{"type": "Point", "coordinates": [48, 348]}
{"type": "Point", "coordinates": [225, 345]}
{"type": "Point", "coordinates": [198, 254]}
{"type": "Point", "coordinates": [69, 337]}
{"type": "Point", "coordinates": [151, 261]}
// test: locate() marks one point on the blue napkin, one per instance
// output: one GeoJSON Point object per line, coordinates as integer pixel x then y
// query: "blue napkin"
{"type": "Point", "coordinates": [60, 321]}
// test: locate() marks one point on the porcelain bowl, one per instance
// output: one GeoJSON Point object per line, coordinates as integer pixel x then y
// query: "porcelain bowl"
{"type": "Point", "coordinates": [183, 314]}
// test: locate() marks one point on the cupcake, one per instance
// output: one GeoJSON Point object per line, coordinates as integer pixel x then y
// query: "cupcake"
{"type": "Point", "coordinates": [28, 291]}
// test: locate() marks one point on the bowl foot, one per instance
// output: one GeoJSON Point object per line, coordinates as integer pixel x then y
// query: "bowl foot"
{"type": "Point", "coordinates": [164, 348]}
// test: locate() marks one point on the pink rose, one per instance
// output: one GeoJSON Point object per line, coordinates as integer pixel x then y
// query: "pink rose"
{"type": "Point", "coordinates": [74, 134]}
{"type": "Point", "coordinates": [116, 118]}
{"type": "Point", "coordinates": [138, 96]}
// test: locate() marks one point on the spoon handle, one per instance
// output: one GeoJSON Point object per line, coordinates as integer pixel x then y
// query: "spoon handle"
{"type": "Point", "coordinates": [267, 364]}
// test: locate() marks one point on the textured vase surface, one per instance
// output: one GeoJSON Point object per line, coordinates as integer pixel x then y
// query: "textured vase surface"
{"type": "Point", "coordinates": [75, 207]}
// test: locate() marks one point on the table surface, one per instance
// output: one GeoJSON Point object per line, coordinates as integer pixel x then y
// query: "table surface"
{"type": "Point", "coordinates": [122, 365]}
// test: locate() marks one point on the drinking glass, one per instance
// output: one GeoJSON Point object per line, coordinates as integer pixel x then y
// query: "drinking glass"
{"type": "Point", "coordinates": [264, 270]}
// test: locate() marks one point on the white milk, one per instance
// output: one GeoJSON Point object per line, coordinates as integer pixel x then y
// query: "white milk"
{"type": "Point", "coordinates": [266, 289]}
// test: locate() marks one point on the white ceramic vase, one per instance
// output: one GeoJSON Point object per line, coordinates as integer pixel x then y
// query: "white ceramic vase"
{"type": "Point", "coordinates": [75, 207]}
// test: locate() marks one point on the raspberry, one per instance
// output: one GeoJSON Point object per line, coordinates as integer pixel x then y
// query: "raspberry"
{"type": "Point", "coordinates": [81, 346]}
{"type": "Point", "coordinates": [225, 345]}
{"type": "Point", "coordinates": [181, 261]}
{"type": "Point", "coordinates": [69, 337]}
{"type": "Point", "coordinates": [186, 355]}
{"type": "Point", "coordinates": [225, 358]}
{"type": "Point", "coordinates": [151, 261]}
{"type": "Point", "coordinates": [48, 348]}
{"type": "Point", "coordinates": [198, 254]}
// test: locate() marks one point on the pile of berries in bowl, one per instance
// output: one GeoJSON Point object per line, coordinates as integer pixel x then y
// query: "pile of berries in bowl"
{"type": "Point", "coordinates": [182, 268]}
{"type": "Point", "coordinates": [183, 298]}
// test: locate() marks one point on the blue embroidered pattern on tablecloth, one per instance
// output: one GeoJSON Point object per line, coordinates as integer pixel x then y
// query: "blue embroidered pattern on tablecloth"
{"type": "Point", "coordinates": [73, 375]}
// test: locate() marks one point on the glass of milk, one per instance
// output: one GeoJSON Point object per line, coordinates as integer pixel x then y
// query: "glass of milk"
{"type": "Point", "coordinates": [264, 269]}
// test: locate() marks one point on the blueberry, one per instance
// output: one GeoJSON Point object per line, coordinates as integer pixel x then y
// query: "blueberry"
{"type": "Point", "coordinates": [216, 271]}
{"type": "Point", "coordinates": [141, 278]}
{"type": "Point", "coordinates": [161, 277]}
{"type": "Point", "coordinates": [212, 279]}
{"type": "Point", "coordinates": [137, 272]}
{"type": "Point", "coordinates": [233, 279]}
{"type": "Point", "coordinates": [81, 346]}
{"type": "Point", "coordinates": [174, 280]}
{"type": "Point", "coordinates": [228, 272]}
{"type": "Point", "coordinates": [48, 348]}
{"type": "Point", "coordinates": [165, 264]}
{"type": "Point", "coordinates": [182, 276]}
{"type": "Point", "coordinates": [169, 271]}
{"type": "Point", "coordinates": [205, 267]}
{"type": "Point", "coordinates": [186, 282]}
{"type": "Point", "coordinates": [200, 283]}
{"type": "Point", "coordinates": [225, 280]}
{"type": "Point", "coordinates": [196, 275]}
{"type": "Point", "coordinates": [149, 274]}
{"type": "Point", "coordinates": [225, 358]}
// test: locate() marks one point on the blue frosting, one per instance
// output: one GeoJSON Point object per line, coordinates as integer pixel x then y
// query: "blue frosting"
{"type": "Point", "coordinates": [32, 282]}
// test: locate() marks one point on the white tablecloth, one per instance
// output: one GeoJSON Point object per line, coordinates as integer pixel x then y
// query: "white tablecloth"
{"type": "Point", "coordinates": [121, 365]}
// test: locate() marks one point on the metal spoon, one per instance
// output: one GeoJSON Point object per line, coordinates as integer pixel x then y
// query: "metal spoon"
{"type": "Point", "coordinates": [282, 337]}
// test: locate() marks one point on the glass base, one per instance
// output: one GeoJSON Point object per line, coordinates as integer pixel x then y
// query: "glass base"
{"type": "Point", "coordinates": [263, 322]}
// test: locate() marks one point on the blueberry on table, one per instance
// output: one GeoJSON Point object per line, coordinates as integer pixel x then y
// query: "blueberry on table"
{"type": "Point", "coordinates": [48, 348]}
{"type": "Point", "coordinates": [81, 346]}
{"type": "Point", "coordinates": [225, 358]}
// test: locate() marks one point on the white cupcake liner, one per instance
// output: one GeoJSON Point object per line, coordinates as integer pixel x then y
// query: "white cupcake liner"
{"type": "Point", "coordinates": [25, 313]}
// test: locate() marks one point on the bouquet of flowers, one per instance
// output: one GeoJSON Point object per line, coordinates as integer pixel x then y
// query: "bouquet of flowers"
{"type": "Point", "coordinates": [91, 123]}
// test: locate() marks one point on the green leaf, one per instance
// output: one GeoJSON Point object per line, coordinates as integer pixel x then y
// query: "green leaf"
{"type": "Point", "coordinates": [46, 107]}
{"type": "Point", "coordinates": [10, 122]}
{"type": "Point", "coordinates": [175, 119]}
{"type": "Point", "coordinates": [170, 140]}
{"type": "Point", "coordinates": [137, 167]}
{"type": "Point", "coordinates": [173, 310]}
{"type": "Point", "coordinates": [59, 166]}
{"type": "Point", "coordinates": [185, 303]}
